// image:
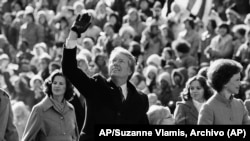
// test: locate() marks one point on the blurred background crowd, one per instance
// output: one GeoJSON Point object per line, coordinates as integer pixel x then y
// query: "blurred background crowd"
{"type": "Point", "coordinates": [172, 40]}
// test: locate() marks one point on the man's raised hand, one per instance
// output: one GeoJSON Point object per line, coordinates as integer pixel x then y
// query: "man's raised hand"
{"type": "Point", "coordinates": [81, 24]}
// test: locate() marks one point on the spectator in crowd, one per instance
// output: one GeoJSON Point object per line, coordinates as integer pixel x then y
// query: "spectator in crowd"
{"type": "Point", "coordinates": [194, 95]}
{"type": "Point", "coordinates": [17, 23]}
{"type": "Point", "coordinates": [151, 41]}
{"type": "Point", "coordinates": [36, 85]}
{"type": "Point", "coordinates": [43, 122]}
{"type": "Point", "coordinates": [182, 50]}
{"type": "Point", "coordinates": [127, 35]}
{"type": "Point", "coordinates": [167, 55]}
{"type": "Point", "coordinates": [239, 34]}
{"type": "Point", "coordinates": [134, 20]}
{"type": "Point", "coordinates": [44, 62]}
{"type": "Point", "coordinates": [113, 19]}
{"type": "Point", "coordinates": [157, 17]}
{"type": "Point", "coordinates": [7, 129]}
{"type": "Point", "coordinates": [78, 7]}
{"type": "Point", "coordinates": [21, 114]}
{"type": "Point", "coordinates": [222, 108]}
{"type": "Point", "coordinates": [22, 91]}
{"type": "Point", "coordinates": [31, 31]}
{"type": "Point", "coordinates": [206, 38]}
{"type": "Point", "coordinates": [221, 45]}
{"type": "Point", "coordinates": [46, 29]}
{"type": "Point", "coordinates": [62, 31]}
{"type": "Point", "coordinates": [179, 76]}
{"type": "Point", "coordinates": [131, 106]}
{"type": "Point", "coordinates": [150, 73]}
{"type": "Point", "coordinates": [107, 38]}
{"type": "Point", "coordinates": [164, 91]}
{"type": "Point", "coordinates": [101, 13]}
{"type": "Point", "coordinates": [101, 66]}
{"type": "Point", "coordinates": [243, 53]}
{"type": "Point", "coordinates": [144, 9]}
{"type": "Point", "coordinates": [167, 31]}
{"type": "Point", "coordinates": [191, 36]}
{"type": "Point", "coordinates": [8, 28]}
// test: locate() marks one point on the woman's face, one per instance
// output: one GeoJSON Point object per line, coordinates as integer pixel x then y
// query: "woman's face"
{"type": "Point", "coordinates": [196, 91]}
{"type": "Point", "coordinates": [59, 86]}
{"type": "Point", "coordinates": [233, 85]}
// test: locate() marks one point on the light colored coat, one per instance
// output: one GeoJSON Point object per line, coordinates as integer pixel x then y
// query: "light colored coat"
{"type": "Point", "coordinates": [47, 124]}
{"type": "Point", "coordinates": [220, 111]}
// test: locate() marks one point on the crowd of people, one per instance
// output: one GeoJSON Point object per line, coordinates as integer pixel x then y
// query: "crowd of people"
{"type": "Point", "coordinates": [67, 65]}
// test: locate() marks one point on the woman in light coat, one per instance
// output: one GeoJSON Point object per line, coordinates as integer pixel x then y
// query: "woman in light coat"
{"type": "Point", "coordinates": [54, 117]}
{"type": "Point", "coordinates": [223, 108]}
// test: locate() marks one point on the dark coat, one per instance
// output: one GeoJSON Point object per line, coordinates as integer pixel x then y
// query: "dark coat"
{"type": "Point", "coordinates": [186, 113]}
{"type": "Point", "coordinates": [104, 105]}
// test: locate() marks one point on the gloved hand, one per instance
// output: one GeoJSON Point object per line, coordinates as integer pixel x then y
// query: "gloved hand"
{"type": "Point", "coordinates": [81, 24]}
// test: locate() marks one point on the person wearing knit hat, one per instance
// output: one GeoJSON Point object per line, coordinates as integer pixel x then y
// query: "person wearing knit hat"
{"type": "Point", "coordinates": [150, 73]}
{"type": "Point", "coordinates": [78, 7]}
{"type": "Point", "coordinates": [155, 60]}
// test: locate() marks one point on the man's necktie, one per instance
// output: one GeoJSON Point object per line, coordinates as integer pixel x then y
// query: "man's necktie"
{"type": "Point", "coordinates": [121, 94]}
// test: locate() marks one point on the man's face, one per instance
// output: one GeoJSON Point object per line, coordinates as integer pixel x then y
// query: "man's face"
{"type": "Point", "coordinates": [119, 66]}
{"type": "Point", "coordinates": [222, 31]}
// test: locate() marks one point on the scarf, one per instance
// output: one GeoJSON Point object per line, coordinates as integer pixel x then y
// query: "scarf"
{"type": "Point", "coordinates": [60, 107]}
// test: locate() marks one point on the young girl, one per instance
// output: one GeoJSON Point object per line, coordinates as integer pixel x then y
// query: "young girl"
{"type": "Point", "coordinates": [195, 93]}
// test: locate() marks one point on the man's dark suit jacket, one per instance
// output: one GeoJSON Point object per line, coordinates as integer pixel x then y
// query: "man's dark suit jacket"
{"type": "Point", "coordinates": [103, 98]}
